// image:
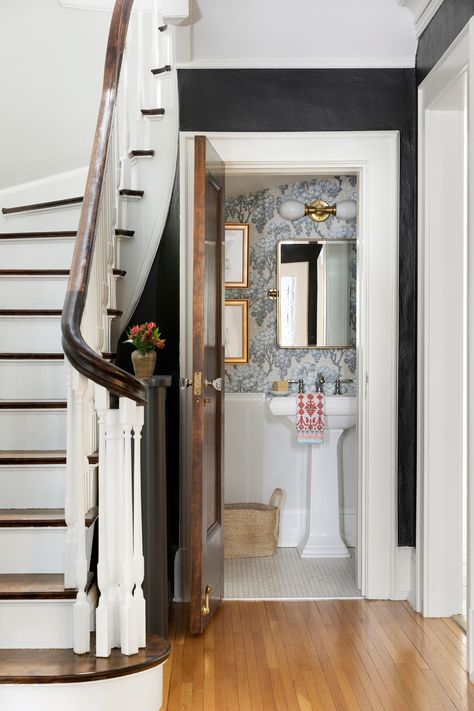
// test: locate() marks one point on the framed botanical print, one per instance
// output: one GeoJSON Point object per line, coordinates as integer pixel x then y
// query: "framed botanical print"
{"type": "Point", "coordinates": [236, 339]}
{"type": "Point", "coordinates": [236, 256]}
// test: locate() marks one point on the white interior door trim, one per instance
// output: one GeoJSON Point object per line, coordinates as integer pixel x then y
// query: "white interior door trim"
{"type": "Point", "coordinates": [441, 113]}
{"type": "Point", "coordinates": [374, 157]}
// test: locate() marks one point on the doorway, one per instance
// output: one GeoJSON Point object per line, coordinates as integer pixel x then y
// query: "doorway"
{"type": "Point", "coordinates": [374, 158]}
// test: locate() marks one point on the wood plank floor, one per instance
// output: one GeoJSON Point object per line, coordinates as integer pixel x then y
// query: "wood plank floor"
{"type": "Point", "coordinates": [317, 656]}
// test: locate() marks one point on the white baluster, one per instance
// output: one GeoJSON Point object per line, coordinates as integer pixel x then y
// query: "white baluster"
{"type": "Point", "coordinates": [128, 631]}
{"type": "Point", "coordinates": [138, 560]}
{"type": "Point", "coordinates": [103, 613]}
{"type": "Point", "coordinates": [156, 55]}
{"type": "Point", "coordinates": [81, 612]}
{"type": "Point", "coordinates": [69, 504]}
{"type": "Point", "coordinates": [114, 524]}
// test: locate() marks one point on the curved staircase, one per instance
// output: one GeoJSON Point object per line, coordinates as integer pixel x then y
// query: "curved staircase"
{"type": "Point", "coordinates": [67, 424]}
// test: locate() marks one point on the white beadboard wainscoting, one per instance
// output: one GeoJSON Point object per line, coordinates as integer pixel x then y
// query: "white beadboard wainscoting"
{"type": "Point", "coordinates": [261, 454]}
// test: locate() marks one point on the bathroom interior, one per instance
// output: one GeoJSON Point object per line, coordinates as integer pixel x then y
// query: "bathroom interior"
{"type": "Point", "coordinates": [291, 327]}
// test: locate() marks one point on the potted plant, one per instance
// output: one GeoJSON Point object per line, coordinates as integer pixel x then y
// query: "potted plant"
{"type": "Point", "coordinates": [146, 338]}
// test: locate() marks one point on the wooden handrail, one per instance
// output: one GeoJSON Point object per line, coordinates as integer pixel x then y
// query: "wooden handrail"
{"type": "Point", "coordinates": [82, 357]}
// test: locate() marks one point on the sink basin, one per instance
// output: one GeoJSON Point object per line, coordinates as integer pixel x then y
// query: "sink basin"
{"type": "Point", "coordinates": [341, 410]}
{"type": "Point", "coordinates": [323, 537]}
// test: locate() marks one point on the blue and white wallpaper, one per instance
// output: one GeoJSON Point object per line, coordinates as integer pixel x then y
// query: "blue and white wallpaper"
{"type": "Point", "coordinates": [267, 362]}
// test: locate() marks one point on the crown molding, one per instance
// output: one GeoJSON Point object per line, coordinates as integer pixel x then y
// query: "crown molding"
{"type": "Point", "coordinates": [335, 63]}
{"type": "Point", "coordinates": [423, 12]}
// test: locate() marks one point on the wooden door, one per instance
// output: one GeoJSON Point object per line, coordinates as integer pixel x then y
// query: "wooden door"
{"type": "Point", "coordinates": [207, 505]}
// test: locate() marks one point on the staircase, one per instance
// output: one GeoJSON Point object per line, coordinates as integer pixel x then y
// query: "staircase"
{"type": "Point", "coordinates": [67, 423]}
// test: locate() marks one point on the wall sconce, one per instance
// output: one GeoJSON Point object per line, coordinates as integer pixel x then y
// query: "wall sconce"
{"type": "Point", "coordinates": [318, 210]}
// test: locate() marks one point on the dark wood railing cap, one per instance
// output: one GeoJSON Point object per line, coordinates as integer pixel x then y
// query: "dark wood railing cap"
{"type": "Point", "coordinates": [81, 356]}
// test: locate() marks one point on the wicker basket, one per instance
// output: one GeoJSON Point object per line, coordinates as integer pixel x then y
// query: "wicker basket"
{"type": "Point", "coordinates": [251, 530]}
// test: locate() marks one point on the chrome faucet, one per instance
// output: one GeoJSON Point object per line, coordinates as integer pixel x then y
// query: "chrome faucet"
{"type": "Point", "coordinates": [299, 383]}
{"type": "Point", "coordinates": [339, 382]}
{"type": "Point", "coordinates": [320, 382]}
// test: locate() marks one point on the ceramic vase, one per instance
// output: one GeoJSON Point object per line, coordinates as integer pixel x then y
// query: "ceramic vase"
{"type": "Point", "coordinates": [144, 364]}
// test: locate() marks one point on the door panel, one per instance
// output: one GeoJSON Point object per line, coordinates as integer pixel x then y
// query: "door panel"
{"type": "Point", "coordinates": [207, 542]}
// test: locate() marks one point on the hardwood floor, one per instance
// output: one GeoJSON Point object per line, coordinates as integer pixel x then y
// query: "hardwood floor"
{"type": "Point", "coordinates": [317, 656]}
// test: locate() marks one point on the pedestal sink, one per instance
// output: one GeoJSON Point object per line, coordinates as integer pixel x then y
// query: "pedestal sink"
{"type": "Point", "coordinates": [322, 538]}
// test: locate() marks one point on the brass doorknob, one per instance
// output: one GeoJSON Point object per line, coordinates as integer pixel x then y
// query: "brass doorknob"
{"type": "Point", "coordinates": [216, 384]}
{"type": "Point", "coordinates": [206, 608]}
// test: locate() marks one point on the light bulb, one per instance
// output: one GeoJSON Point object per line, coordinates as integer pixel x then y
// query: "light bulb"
{"type": "Point", "coordinates": [346, 210]}
{"type": "Point", "coordinates": [291, 209]}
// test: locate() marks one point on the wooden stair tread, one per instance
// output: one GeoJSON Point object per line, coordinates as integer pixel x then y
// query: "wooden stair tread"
{"type": "Point", "coordinates": [33, 666]}
{"type": "Point", "coordinates": [47, 272]}
{"type": "Point", "coordinates": [153, 112]}
{"type": "Point", "coordinates": [46, 312]}
{"type": "Point", "coordinates": [32, 456]}
{"type": "Point", "coordinates": [26, 518]}
{"type": "Point", "coordinates": [33, 404]}
{"type": "Point", "coordinates": [38, 235]}
{"type": "Point", "coordinates": [44, 356]}
{"type": "Point", "coordinates": [119, 232]}
{"type": "Point", "coordinates": [161, 70]}
{"type": "Point", "coordinates": [37, 586]}
{"type": "Point", "coordinates": [142, 153]}
{"type": "Point", "coordinates": [42, 205]}
{"type": "Point", "coordinates": [128, 192]}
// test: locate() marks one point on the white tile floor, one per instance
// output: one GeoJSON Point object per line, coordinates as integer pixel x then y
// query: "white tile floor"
{"type": "Point", "coordinates": [286, 575]}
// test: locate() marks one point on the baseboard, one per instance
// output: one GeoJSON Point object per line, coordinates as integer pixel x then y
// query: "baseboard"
{"type": "Point", "coordinates": [404, 583]}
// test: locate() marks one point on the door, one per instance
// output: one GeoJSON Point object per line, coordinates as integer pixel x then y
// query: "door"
{"type": "Point", "coordinates": [207, 507]}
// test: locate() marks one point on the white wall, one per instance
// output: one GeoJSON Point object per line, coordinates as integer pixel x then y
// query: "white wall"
{"type": "Point", "coordinates": [261, 454]}
{"type": "Point", "coordinates": [51, 61]}
{"type": "Point", "coordinates": [303, 33]}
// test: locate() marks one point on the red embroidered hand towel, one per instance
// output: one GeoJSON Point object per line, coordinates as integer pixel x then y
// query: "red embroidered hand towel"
{"type": "Point", "coordinates": [310, 418]}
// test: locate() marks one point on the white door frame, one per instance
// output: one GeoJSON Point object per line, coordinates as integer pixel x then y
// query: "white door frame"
{"type": "Point", "coordinates": [374, 157]}
{"type": "Point", "coordinates": [445, 330]}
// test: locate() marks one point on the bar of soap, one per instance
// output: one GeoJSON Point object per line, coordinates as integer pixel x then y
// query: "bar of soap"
{"type": "Point", "coordinates": [280, 386]}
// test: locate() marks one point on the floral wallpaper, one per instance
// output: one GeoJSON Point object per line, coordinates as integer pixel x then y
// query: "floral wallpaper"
{"type": "Point", "coordinates": [267, 362]}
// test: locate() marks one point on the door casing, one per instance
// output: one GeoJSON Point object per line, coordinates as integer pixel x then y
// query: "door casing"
{"type": "Point", "coordinates": [384, 571]}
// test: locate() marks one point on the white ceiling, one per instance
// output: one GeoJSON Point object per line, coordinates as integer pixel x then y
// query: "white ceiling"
{"type": "Point", "coordinates": [303, 33]}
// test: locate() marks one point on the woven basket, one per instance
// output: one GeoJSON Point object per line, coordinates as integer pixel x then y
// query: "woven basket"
{"type": "Point", "coordinates": [252, 530]}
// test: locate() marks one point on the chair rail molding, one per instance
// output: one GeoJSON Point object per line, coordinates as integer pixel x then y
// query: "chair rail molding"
{"type": "Point", "coordinates": [423, 12]}
{"type": "Point", "coordinates": [374, 156]}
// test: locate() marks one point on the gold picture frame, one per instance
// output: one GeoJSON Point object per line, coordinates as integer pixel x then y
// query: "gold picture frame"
{"type": "Point", "coordinates": [236, 338]}
{"type": "Point", "coordinates": [237, 253]}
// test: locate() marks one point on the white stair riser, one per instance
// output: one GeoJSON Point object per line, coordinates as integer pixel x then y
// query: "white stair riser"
{"type": "Point", "coordinates": [35, 550]}
{"type": "Point", "coordinates": [32, 379]}
{"type": "Point", "coordinates": [33, 486]}
{"type": "Point", "coordinates": [40, 333]}
{"type": "Point", "coordinates": [37, 624]}
{"type": "Point", "coordinates": [33, 429]}
{"type": "Point", "coordinates": [33, 292]}
{"type": "Point", "coordinates": [57, 218]}
{"type": "Point", "coordinates": [142, 691]}
{"type": "Point", "coordinates": [38, 253]}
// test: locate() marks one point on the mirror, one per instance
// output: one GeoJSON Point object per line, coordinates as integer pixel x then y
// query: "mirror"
{"type": "Point", "coordinates": [316, 293]}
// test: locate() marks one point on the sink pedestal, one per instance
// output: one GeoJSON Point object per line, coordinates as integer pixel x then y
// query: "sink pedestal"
{"type": "Point", "coordinates": [322, 538]}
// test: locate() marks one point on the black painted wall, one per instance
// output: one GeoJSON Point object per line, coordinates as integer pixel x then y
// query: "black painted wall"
{"type": "Point", "coordinates": [332, 100]}
{"type": "Point", "coordinates": [445, 26]}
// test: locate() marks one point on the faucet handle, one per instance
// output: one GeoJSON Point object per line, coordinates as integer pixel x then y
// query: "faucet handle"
{"type": "Point", "coordinates": [299, 383]}
{"type": "Point", "coordinates": [339, 382]}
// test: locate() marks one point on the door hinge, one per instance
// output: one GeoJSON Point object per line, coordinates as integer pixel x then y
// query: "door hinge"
{"type": "Point", "coordinates": [197, 382]}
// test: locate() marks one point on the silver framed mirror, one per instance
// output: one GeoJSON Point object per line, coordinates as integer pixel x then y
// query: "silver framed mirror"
{"type": "Point", "coordinates": [316, 293]}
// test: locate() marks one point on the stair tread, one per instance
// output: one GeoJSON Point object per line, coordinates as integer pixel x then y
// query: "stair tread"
{"type": "Point", "coordinates": [44, 356]}
{"type": "Point", "coordinates": [129, 192]}
{"type": "Point", "coordinates": [45, 312]}
{"type": "Point", "coordinates": [34, 586]}
{"type": "Point", "coordinates": [33, 404]}
{"type": "Point", "coordinates": [63, 202]}
{"type": "Point", "coordinates": [142, 153]}
{"type": "Point", "coordinates": [38, 456]}
{"type": "Point", "coordinates": [161, 70]}
{"type": "Point", "coordinates": [47, 272]}
{"type": "Point", "coordinates": [153, 112]}
{"type": "Point", "coordinates": [22, 518]}
{"type": "Point", "coordinates": [33, 666]}
{"type": "Point", "coordinates": [38, 235]}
